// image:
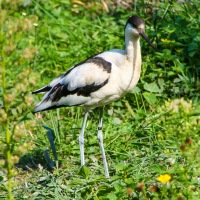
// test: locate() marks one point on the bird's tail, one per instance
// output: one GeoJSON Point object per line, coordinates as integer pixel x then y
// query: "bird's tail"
{"type": "Point", "coordinates": [42, 106]}
{"type": "Point", "coordinates": [46, 104]}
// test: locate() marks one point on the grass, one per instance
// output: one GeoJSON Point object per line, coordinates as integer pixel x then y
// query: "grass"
{"type": "Point", "coordinates": [151, 132]}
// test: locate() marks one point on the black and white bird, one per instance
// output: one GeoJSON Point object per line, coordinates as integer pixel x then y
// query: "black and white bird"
{"type": "Point", "coordinates": [98, 81]}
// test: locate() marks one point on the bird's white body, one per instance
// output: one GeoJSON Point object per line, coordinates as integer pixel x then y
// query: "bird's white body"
{"type": "Point", "coordinates": [98, 81]}
{"type": "Point", "coordinates": [123, 78]}
{"type": "Point", "coordinates": [124, 75]}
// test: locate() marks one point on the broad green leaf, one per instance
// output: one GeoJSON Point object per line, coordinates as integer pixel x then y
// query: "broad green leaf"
{"type": "Point", "coordinates": [151, 87]}
{"type": "Point", "coordinates": [1, 178]}
{"type": "Point", "coordinates": [111, 196]}
{"type": "Point", "coordinates": [161, 84]}
{"type": "Point", "coordinates": [84, 171]}
{"type": "Point", "coordinates": [75, 183]}
{"type": "Point", "coordinates": [129, 181]}
{"type": "Point", "coordinates": [158, 168]}
{"type": "Point", "coordinates": [103, 189]}
{"type": "Point", "coordinates": [119, 166]}
{"type": "Point", "coordinates": [118, 187]}
{"type": "Point", "coordinates": [150, 97]}
{"type": "Point", "coordinates": [136, 90]}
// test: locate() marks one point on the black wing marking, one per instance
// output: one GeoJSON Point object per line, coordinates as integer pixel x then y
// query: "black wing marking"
{"type": "Point", "coordinates": [41, 90]}
{"type": "Point", "coordinates": [77, 84]}
{"type": "Point", "coordinates": [50, 85]}
{"type": "Point", "coordinates": [62, 90]}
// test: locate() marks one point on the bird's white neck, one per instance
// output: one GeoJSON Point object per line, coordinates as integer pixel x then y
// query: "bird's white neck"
{"type": "Point", "coordinates": [133, 53]}
{"type": "Point", "coordinates": [132, 47]}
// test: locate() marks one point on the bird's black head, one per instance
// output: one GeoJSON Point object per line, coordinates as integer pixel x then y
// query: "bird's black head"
{"type": "Point", "coordinates": [135, 21]}
{"type": "Point", "coordinates": [138, 28]}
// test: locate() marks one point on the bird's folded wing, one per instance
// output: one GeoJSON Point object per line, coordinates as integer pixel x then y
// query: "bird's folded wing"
{"type": "Point", "coordinates": [77, 84]}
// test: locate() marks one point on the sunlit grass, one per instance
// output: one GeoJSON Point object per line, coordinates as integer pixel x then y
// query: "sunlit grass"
{"type": "Point", "coordinates": [150, 135]}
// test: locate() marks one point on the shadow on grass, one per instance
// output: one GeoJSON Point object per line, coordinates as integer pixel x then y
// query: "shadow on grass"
{"type": "Point", "coordinates": [38, 159]}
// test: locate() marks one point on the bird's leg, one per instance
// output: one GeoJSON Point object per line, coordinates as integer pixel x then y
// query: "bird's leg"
{"type": "Point", "coordinates": [81, 139]}
{"type": "Point", "coordinates": [100, 138]}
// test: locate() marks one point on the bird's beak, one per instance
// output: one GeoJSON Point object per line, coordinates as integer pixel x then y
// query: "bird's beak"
{"type": "Point", "coordinates": [141, 32]}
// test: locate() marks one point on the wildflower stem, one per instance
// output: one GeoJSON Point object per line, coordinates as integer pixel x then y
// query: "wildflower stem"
{"type": "Point", "coordinates": [8, 164]}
